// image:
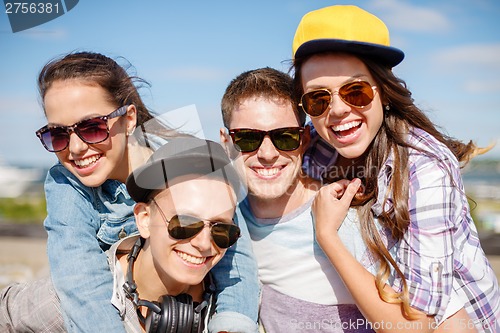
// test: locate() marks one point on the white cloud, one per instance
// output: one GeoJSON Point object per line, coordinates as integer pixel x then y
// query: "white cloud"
{"type": "Point", "coordinates": [482, 86]}
{"type": "Point", "coordinates": [477, 55]}
{"type": "Point", "coordinates": [406, 16]}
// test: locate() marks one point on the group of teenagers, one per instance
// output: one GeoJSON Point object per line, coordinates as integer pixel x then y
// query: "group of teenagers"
{"type": "Point", "coordinates": [357, 221]}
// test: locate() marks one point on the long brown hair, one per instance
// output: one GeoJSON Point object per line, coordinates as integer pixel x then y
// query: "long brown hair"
{"type": "Point", "coordinates": [399, 118]}
{"type": "Point", "coordinates": [98, 69]}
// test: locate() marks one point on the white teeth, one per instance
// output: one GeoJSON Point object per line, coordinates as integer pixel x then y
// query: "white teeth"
{"type": "Point", "coordinates": [267, 172]}
{"type": "Point", "coordinates": [345, 127]}
{"type": "Point", "coordinates": [87, 161]}
{"type": "Point", "coordinates": [191, 259]}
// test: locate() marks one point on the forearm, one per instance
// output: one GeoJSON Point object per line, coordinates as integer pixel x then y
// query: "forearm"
{"type": "Point", "coordinates": [84, 285]}
{"type": "Point", "coordinates": [384, 317]}
{"type": "Point", "coordinates": [237, 286]}
{"type": "Point", "coordinates": [78, 265]}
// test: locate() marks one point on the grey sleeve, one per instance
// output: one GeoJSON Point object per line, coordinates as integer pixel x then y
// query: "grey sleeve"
{"type": "Point", "coordinates": [31, 307]}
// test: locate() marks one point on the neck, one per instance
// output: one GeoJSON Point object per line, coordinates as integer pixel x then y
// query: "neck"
{"type": "Point", "coordinates": [135, 156]}
{"type": "Point", "coordinates": [296, 196]}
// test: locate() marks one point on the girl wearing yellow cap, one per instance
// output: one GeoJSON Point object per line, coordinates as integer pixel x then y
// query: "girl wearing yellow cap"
{"type": "Point", "coordinates": [412, 208]}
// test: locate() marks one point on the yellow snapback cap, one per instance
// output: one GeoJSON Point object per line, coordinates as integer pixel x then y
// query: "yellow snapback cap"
{"type": "Point", "coordinates": [345, 29]}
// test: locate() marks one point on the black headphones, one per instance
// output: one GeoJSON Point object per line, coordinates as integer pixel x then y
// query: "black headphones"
{"type": "Point", "coordinates": [170, 314]}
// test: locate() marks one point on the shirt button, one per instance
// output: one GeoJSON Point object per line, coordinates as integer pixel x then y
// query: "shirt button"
{"type": "Point", "coordinates": [122, 234]}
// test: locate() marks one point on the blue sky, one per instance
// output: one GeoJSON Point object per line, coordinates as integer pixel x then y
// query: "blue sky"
{"type": "Point", "coordinates": [190, 51]}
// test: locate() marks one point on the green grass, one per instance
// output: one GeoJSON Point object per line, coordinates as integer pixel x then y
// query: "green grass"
{"type": "Point", "coordinates": [23, 210]}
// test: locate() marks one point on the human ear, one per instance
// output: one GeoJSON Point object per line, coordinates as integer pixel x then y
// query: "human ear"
{"type": "Point", "coordinates": [142, 213]}
{"type": "Point", "coordinates": [131, 117]}
{"type": "Point", "coordinates": [224, 139]}
{"type": "Point", "coordinates": [227, 144]}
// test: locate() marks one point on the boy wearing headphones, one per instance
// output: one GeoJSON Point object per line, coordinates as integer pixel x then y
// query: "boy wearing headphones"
{"type": "Point", "coordinates": [186, 197]}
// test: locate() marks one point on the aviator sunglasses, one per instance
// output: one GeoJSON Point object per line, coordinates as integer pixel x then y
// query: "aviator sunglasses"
{"type": "Point", "coordinates": [357, 94]}
{"type": "Point", "coordinates": [247, 140]}
{"type": "Point", "coordinates": [185, 227]}
{"type": "Point", "coordinates": [93, 130]}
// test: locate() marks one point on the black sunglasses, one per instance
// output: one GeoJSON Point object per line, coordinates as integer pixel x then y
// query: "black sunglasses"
{"type": "Point", "coordinates": [93, 130]}
{"type": "Point", "coordinates": [247, 140]}
{"type": "Point", "coordinates": [357, 94]}
{"type": "Point", "coordinates": [185, 227]}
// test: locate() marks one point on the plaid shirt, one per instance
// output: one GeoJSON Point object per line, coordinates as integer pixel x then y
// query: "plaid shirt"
{"type": "Point", "coordinates": [440, 253]}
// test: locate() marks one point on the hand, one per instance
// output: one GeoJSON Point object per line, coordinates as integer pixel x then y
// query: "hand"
{"type": "Point", "coordinates": [331, 205]}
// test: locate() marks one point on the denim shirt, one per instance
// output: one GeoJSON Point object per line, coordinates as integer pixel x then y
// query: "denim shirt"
{"type": "Point", "coordinates": [83, 222]}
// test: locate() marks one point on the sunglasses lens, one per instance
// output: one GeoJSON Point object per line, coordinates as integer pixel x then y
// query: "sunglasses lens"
{"type": "Point", "coordinates": [358, 94]}
{"type": "Point", "coordinates": [90, 131]}
{"type": "Point", "coordinates": [93, 130]}
{"type": "Point", "coordinates": [225, 234]}
{"type": "Point", "coordinates": [315, 103]}
{"type": "Point", "coordinates": [286, 138]}
{"type": "Point", "coordinates": [247, 140]}
{"type": "Point", "coordinates": [55, 139]}
{"type": "Point", "coordinates": [184, 227]}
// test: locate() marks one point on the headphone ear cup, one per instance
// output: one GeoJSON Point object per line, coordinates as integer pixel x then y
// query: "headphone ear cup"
{"type": "Point", "coordinates": [170, 317]}
{"type": "Point", "coordinates": [153, 320]}
{"type": "Point", "coordinates": [197, 322]}
{"type": "Point", "coordinates": [186, 311]}
{"type": "Point", "coordinates": [173, 314]}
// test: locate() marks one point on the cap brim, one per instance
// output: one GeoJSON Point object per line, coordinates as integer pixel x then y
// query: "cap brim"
{"type": "Point", "coordinates": [387, 55]}
{"type": "Point", "coordinates": [156, 175]}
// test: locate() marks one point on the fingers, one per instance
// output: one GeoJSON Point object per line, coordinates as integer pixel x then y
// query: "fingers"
{"type": "Point", "coordinates": [332, 203]}
{"type": "Point", "coordinates": [339, 188]}
{"type": "Point", "coordinates": [336, 189]}
{"type": "Point", "coordinates": [350, 191]}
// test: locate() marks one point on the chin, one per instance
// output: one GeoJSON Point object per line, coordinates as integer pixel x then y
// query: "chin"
{"type": "Point", "coordinates": [268, 193]}
{"type": "Point", "coordinates": [91, 181]}
{"type": "Point", "coordinates": [352, 152]}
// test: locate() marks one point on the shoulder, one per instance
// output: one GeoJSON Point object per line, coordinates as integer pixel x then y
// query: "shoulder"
{"type": "Point", "coordinates": [432, 164]}
{"type": "Point", "coordinates": [429, 151]}
{"type": "Point", "coordinates": [428, 145]}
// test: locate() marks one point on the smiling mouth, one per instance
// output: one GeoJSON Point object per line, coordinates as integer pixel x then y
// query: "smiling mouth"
{"type": "Point", "coordinates": [86, 162]}
{"type": "Point", "coordinates": [344, 130]}
{"type": "Point", "coordinates": [191, 259]}
{"type": "Point", "coordinates": [267, 172]}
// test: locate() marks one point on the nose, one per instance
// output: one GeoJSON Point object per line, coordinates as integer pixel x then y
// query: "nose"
{"type": "Point", "coordinates": [338, 108]}
{"type": "Point", "coordinates": [203, 240]}
{"type": "Point", "coordinates": [267, 151]}
{"type": "Point", "coordinates": [76, 145]}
